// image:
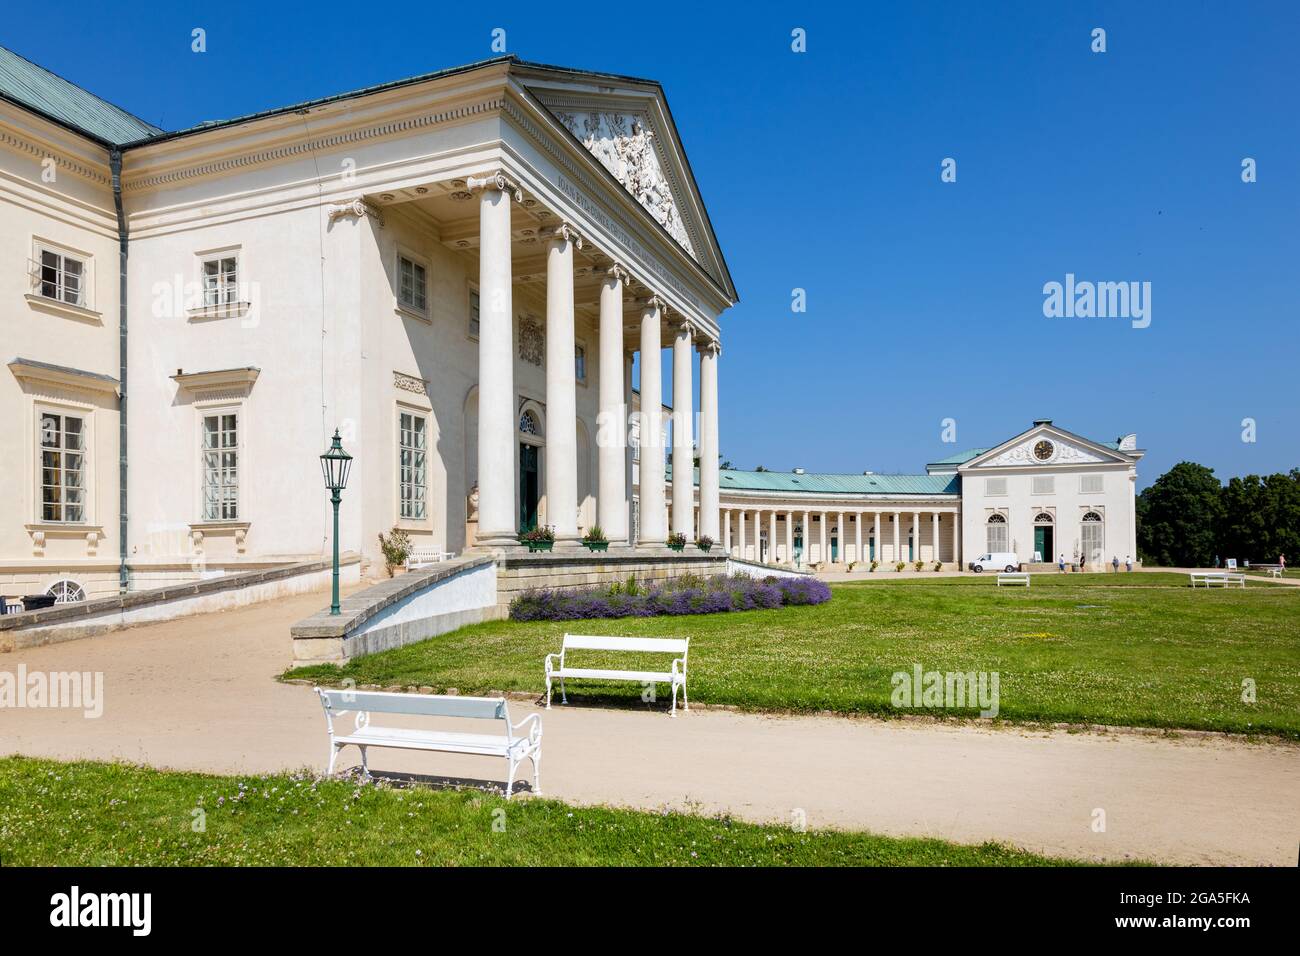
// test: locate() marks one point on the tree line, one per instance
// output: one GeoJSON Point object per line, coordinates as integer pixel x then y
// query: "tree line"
{"type": "Point", "coordinates": [1188, 518]}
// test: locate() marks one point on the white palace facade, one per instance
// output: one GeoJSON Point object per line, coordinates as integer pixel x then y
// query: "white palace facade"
{"type": "Point", "coordinates": [456, 271]}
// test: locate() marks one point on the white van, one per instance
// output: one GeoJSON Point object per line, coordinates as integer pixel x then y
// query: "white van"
{"type": "Point", "coordinates": [997, 561]}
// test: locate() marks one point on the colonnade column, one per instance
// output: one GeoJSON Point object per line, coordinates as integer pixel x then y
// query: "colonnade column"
{"type": "Point", "coordinates": [857, 535]}
{"type": "Point", "coordinates": [821, 536]}
{"type": "Point", "coordinates": [956, 552]}
{"type": "Point", "coordinates": [740, 534]}
{"type": "Point", "coordinates": [897, 558]}
{"type": "Point", "coordinates": [726, 531]}
{"type": "Point", "coordinates": [934, 526]}
{"type": "Point", "coordinates": [654, 524]}
{"type": "Point", "coordinates": [561, 386]}
{"type": "Point", "coordinates": [916, 537]}
{"type": "Point", "coordinates": [880, 542]}
{"type": "Point", "coordinates": [771, 538]}
{"type": "Point", "coordinates": [789, 537]}
{"type": "Point", "coordinates": [709, 355]}
{"type": "Point", "coordinates": [611, 423]}
{"type": "Point", "coordinates": [683, 423]}
{"type": "Point", "coordinates": [496, 378]}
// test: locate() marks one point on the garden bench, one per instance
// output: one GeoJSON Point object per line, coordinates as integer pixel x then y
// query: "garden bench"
{"type": "Point", "coordinates": [503, 743]}
{"type": "Point", "coordinates": [676, 675]}
{"type": "Point", "coordinates": [1220, 579]}
{"type": "Point", "coordinates": [420, 557]}
{"type": "Point", "coordinates": [1014, 578]}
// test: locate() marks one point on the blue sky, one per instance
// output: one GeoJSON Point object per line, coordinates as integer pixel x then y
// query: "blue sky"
{"type": "Point", "coordinates": [821, 171]}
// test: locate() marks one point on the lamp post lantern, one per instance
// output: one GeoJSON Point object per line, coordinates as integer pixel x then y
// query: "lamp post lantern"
{"type": "Point", "coordinates": [334, 465]}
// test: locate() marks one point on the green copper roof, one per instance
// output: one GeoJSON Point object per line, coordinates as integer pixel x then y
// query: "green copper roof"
{"type": "Point", "coordinates": [41, 91]}
{"type": "Point", "coordinates": [815, 484]}
{"type": "Point", "coordinates": [961, 457]}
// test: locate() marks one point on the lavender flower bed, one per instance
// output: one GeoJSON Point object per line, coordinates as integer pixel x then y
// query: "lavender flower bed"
{"type": "Point", "coordinates": [689, 594]}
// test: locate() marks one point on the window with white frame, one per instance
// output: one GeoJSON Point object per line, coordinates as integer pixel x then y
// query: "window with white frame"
{"type": "Point", "coordinates": [412, 284]}
{"type": "Point", "coordinates": [411, 465]}
{"type": "Point", "coordinates": [580, 361]}
{"type": "Point", "coordinates": [62, 277]}
{"type": "Point", "coordinates": [473, 313]}
{"type": "Point", "coordinates": [63, 468]}
{"type": "Point", "coordinates": [1043, 485]}
{"type": "Point", "coordinates": [221, 466]}
{"type": "Point", "coordinates": [1092, 536]}
{"type": "Point", "coordinates": [995, 486]}
{"type": "Point", "coordinates": [221, 280]}
{"type": "Point", "coordinates": [1090, 485]}
{"type": "Point", "coordinates": [997, 534]}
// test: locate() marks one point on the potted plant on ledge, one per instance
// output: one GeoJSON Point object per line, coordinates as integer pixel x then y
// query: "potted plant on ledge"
{"type": "Point", "coordinates": [595, 539]}
{"type": "Point", "coordinates": [704, 543]}
{"type": "Point", "coordinates": [677, 541]}
{"type": "Point", "coordinates": [540, 538]}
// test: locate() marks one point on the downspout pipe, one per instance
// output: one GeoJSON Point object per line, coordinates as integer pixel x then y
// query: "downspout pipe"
{"type": "Point", "coordinates": [115, 166]}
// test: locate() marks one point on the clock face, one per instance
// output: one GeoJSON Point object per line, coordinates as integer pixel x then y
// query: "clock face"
{"type": "Point", "coordinates": [1043, 450]}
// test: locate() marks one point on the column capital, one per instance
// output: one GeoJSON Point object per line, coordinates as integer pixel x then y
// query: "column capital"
{"type": "Point", "coordinates": [614, 271]}
{"type": "Point", "coordinates": [651, 303]}
{"type": "Point", "coordinates": [708, 345]}
{"type": "Point", "coordinates": [561, 232]}
{"type": "Point", "coordinates": [495, 181]}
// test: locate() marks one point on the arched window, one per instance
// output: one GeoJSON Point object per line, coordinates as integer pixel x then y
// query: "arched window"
{"type": "Point", "coordinates": [66, 592]}
{"type": "Point", "coordinates": [997, 533]}
{"type": "Point", "coordinates": [1042, 518]}
{"type": "Point", "coordinates": [1092, 538]}
{"type": "Point", "coordinates": [528, 423]}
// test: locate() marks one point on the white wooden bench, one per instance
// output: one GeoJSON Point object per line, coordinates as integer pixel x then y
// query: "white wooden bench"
{"type": "Point", "coordinates": [557, 667]}
{"type": "Point", "coordinates": [1018, 577]}
{"type": "Point", "coordinates": [505, 743]}
{"type": "Point", "coordinates": [1221, 579]}
{"type": "Point", "coordinates": [422, 557]}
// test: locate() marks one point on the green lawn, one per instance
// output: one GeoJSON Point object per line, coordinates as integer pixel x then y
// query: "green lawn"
{"type": "Point", "coordinates": [98, 814]}
{"type": "Point", "coordinates": [1140, 649]}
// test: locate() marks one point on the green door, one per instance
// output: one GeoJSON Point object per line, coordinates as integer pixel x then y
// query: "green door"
{"type": "Point", "coordinates": [1043, 542]}
{"type": "Point", "coordinates": [529, 487]}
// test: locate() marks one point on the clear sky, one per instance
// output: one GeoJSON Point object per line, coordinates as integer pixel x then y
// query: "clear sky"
{"type": "Point", "coordinates": [822, 171]}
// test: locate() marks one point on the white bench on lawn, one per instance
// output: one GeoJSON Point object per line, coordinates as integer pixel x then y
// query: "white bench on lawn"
{"type": "Point", "coordinates": [504, 743]}
{"type": "Point", "coordinates": [421, 557]}
{"type": "Point", "coordinates": [675, 675]}
{"type": "Point", "coordinates": [1013, 577]}
{"type": "Point", "coordinates": [1220, 579]}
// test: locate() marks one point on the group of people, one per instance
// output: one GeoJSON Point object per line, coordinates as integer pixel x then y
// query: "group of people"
{"type": "Point", "coordinates": [1081, 560]}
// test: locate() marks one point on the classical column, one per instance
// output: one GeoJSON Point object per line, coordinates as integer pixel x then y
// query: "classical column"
{"type": "Point", "coordinates": [611, 425]}
{"type": "Point", "coordinates": [654, 525]}
{"type": "Point", "coordinates": [897, 515]}
{"type": "Point", "coordinates": [771, 538]}
{"type": "Point", "coordinates": [627, 445]}
{"type": "Point", "coordinates": [740, 532]}
{"type": "Point", "coordinates": [956, 553]}
{"type": "Point", "coordinates": [857, 535]}
{"type": "Point", "coordinates": [709, 354]}
{"type": "Point", "coordinates": [934, 533]}
{"type": "Point", "coordinates": [561, 395]}
{"type": "Point", "coordinates": [807, 539]}
{"type": "Point", "coordinates": [683, 423]}
{"type": "Point", "coordinates": [496, 367]}
{"type": "Point", "coordinates": [916, 537]}
{"type": "Point", "coordinates": [821, 536]}
{"type": "Point", "coordinates": [726, 531]}
{"type": "Point", "coordinates": [789, 537]}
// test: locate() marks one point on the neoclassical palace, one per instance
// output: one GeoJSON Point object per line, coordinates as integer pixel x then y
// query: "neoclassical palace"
{"type": "Point", "coordinates": [454, 270]}
{"type": "Point", "coordinates": [457, 272]}
{"type": "Point", "coordinates": [1043, 494]}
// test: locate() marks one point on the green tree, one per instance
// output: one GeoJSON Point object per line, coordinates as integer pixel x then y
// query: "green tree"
{"type": "Point", "coordinates": [1179, 517]}
{"type": "Point", "coordinates": [1261, 517]}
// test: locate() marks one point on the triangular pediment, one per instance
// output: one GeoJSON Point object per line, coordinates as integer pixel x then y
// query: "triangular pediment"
{"type": "Point", "coordinates": [626, 125]}
{"type": "Point", "coordinates": [1046, 446]}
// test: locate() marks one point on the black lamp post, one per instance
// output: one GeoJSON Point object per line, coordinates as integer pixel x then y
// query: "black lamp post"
{"type": "Point", "coordinates": [334, 465]}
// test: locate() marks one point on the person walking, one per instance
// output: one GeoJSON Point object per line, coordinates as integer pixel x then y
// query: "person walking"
{"type": "Point", "coordinates": [1114, 562]}
{"type": "Point", "coordinates": [1128, 562]}
{"type": "Point", "coordinates": [1281, 561]}
{"type": "Point", "coordinates": [1061, 563]}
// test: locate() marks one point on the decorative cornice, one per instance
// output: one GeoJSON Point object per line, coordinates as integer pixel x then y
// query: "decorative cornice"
{"type": "Point", "coordinates": [331, 141]}
{"type": "Point", "coordinates": [410, 383]}
{"type": "Point", "coordinates": [23, 145]}
{"type": "Point", "coordinates": [495, 181]}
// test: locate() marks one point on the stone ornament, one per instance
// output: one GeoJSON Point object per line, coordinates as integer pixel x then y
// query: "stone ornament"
{"type": "Point", "coordinates": [625, 147]}
{"type": "Point", "coordinates": [532, 340]}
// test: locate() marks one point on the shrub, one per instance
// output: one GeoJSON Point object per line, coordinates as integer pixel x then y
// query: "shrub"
{"type": "Point", "coordinates": [396, 548]}
{"type": "Point", "coordinates": [705, 542]}
{"type": "Point", "coordinates": [595, 535]}
{"type": "Point", "coordinates": [919, 565]}
{"type": "Point", "coordinates": [676, 540]}
{"type": "Point", "coordinates": [938, 565]}
{"type": "Point", "coordinates": [874, 564]}
{"type": "Point", "coordinates": [543, 532]}
{"type": "Point", "coordinates": [688, 594]}
{"type": "Point", "coordinates": [899, 566]}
